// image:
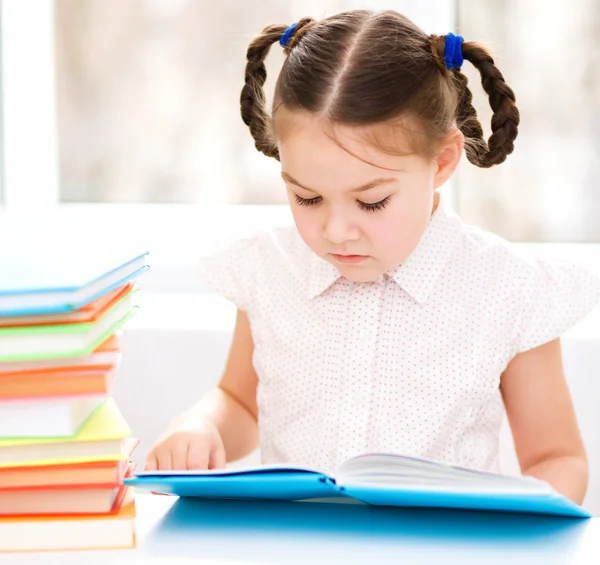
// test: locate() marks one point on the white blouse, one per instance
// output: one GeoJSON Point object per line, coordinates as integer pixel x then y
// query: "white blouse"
{"type": "Point", "coordinates": [410, 363]}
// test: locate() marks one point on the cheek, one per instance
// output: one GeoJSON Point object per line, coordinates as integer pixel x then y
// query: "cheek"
{"type": "Point", "coordinates": [308, 226]}
{"type": "Point", "coordinates": [396, 235]}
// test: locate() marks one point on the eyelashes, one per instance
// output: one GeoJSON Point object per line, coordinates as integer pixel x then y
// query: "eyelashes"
{"type": "Point", "coordinates": [375, 206]}
{"type": "Point", "coordinates": [367, 206]}
{"type": "Point", "coordinates": [307, 201]}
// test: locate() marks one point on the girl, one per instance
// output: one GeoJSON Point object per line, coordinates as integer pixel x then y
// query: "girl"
{"type": "Point", "coordinates": [381, 322]}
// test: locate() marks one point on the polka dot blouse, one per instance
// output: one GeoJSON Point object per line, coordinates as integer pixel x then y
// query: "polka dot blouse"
{"type": "Point", "coordinates": [410, 363]}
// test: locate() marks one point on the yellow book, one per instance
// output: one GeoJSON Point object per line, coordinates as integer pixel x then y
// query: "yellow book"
{"type": "Point", "coordinates": [99, 439]}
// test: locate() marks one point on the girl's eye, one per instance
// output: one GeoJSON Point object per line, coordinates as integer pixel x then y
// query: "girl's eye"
{"type": "Point", "coordinates": [370, 207]}
{"type": "Point", "coordinates": [307, 201]}
{"type": "Point", "coordinates": [375, 206]}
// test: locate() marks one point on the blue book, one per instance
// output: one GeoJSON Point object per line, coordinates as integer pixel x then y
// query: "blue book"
{"type": "Point", "coordinates": [48, 282]}
{"type": "Point", "coordinates": [378, 478]}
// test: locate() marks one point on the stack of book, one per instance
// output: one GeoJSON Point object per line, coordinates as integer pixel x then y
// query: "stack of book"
{"type": "Point", "coordinates": [64, 445]}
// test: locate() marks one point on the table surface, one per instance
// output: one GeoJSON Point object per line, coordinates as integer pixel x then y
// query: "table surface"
{"type": "Point", "coordinates": [174, 531]}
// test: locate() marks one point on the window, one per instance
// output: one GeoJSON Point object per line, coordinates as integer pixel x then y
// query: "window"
{"type": "Point", "coordinates": [148, 97]}
{"type": "Point", "coordinates": [549, 53]}
{"type": "Point", "coordinates": [122, 117]}
{"type": "Point", "coordinates": [95, 98]}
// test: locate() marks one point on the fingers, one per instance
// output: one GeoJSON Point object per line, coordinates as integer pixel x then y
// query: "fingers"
{"type": "Point", "coordinates": [217, 456]}
{"type": "Point", "coordinates": [179, 454]}
{"type": "Point", "coordinates": [165, 462]}
{"type": "Point", "coordinates": [198, 455]}
{"type": "Point", "coordinates": [152, 465]}
{"type": "Point", "coordinates": [151, 462]}
{"type": "Point", "coordinates": [185, 450]}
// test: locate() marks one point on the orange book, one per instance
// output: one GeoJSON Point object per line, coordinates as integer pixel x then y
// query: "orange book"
{"type": "Point", "coordinates": [92, 472]}
{"type": "Point", "coordinates": [89, 313]}
{"type": "Point", "coordinates": [91, 531]}
{"type": "Point", "coordinates": [67, 381]}
{"type": "Point", "coordinates": [64, 499]}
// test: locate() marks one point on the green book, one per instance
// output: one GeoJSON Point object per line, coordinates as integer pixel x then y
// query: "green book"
{"type": "Point", "coordinates": [30, 343]}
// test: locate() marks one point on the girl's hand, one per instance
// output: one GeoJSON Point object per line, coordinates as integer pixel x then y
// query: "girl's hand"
{"type": "Point", "coordinates": [197, 446]}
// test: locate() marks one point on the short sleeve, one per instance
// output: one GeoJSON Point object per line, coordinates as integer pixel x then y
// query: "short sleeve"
{"type": "Point", "coordinates": [555, 295]}
{"type": "Point", "coordinates": [230, 270]}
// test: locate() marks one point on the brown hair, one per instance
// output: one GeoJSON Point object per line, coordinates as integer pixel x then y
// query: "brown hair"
{"type": "Point", "coordinates": [365, 68]}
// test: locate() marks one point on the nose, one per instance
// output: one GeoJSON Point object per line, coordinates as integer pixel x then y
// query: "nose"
{"type": "Point", "coordinates": [339, 228]}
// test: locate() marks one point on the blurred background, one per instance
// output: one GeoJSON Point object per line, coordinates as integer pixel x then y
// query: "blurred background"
{"type": "Point", "coordinates": [147, 105]}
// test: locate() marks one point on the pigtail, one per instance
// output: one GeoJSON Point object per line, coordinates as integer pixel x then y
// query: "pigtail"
{"type": "Point", "coordinates": [505, 119]}
{"type": "Point", "coordinates": [252, 98]}
{"type": "Point", "coordinates": [476, 146]}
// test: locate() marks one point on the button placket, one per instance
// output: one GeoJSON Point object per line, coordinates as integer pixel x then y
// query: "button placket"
{"type": "Point", "coordinates": [360, 365]}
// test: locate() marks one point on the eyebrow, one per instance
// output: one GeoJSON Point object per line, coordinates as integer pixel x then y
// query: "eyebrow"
{"type": "Point", "coordinates": [374, 183]}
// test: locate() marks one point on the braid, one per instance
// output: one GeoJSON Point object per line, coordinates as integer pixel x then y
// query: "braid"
{"type": "Point", "coordinates": [252, 98]}
{"type": "Point", "coordinates": [468, 122]}
{"type": "Point", "coordinates": [505, 119]}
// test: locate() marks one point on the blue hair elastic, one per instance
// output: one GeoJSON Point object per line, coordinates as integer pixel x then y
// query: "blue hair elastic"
{"type": "Point", "coordinates": [453, 56]}
{"type": "Point", "coordinates": [287, 35]}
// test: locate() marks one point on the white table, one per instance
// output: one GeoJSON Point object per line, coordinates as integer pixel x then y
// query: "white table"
{"type": "Point", "coordinates": [227, 532]}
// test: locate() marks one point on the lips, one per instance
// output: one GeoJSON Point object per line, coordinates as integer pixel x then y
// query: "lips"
{"type": "Point", "coordinates": [349, 259]}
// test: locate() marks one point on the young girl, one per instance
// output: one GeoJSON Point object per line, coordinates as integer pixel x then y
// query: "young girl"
{"type": "Point", "coordinates": [381, 322]}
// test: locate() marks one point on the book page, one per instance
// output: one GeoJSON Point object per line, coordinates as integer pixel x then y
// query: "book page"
{"type": "Point", "coordinates": [389, 470]}
{"type": "Point", "coordinates": [233, 471]}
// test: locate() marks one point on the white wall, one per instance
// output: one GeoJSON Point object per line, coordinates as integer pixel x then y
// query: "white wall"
{"type": "Point", "coordinates": [175, 350]}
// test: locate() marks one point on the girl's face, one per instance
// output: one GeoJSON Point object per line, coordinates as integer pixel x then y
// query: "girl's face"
{"type": "Point", "coordinates": [361, 209]}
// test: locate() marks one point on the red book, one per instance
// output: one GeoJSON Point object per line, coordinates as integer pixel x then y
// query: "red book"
{"type": "Point", "coordinates": [65, 499]}
{"type": "Point", "coordinates": [91, 472]}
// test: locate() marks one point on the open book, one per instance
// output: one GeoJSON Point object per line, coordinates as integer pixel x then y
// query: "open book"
{"type": "Point", "coordinates": [376, 478]}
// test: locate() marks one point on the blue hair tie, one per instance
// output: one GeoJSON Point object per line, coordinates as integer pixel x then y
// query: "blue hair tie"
{"type": "Point", "coordinates": [287, 35]}
{"type": "Point", "coordinates": [453, 56]}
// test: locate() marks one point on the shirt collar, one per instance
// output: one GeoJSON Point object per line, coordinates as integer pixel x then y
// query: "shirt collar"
{"type": "Point", "coordinates": [419, 272]}
{"type": "Point", "coordinates": [322, 276]}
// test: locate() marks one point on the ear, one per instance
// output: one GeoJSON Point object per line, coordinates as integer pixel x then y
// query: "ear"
{"type": "Point", "coordinates": [449, 156]}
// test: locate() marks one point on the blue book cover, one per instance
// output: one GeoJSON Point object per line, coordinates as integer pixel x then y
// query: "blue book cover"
{"type": "Point", "coordinates": [52, 282]}
{"type": "Point", "coordinates": [375, 479]}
